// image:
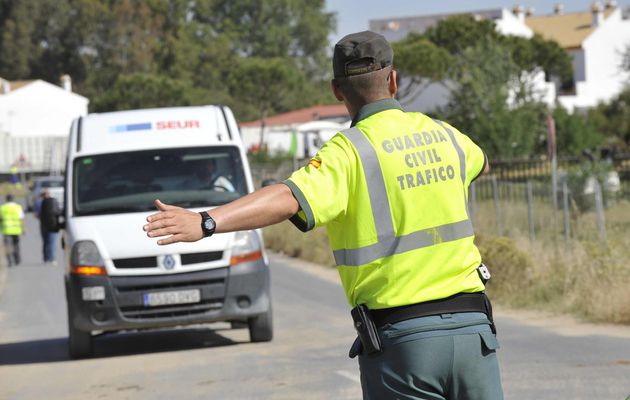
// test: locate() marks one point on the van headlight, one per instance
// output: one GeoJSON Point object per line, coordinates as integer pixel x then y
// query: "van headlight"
{"type": "Point", "coordinates": [246, 247]}
{"type": "Point", "coordinates": [85, 259]}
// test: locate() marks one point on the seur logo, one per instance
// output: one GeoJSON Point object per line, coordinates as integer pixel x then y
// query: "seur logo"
{"type": "Point", "coordinates": [168, 262]}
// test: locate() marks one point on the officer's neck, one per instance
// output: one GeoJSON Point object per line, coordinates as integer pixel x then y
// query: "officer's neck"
{"type": "Point", "coordinates": [354, 108]}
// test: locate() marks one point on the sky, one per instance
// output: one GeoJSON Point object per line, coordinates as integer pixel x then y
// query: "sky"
{"type": "Point", "coordinates": [353, 15]}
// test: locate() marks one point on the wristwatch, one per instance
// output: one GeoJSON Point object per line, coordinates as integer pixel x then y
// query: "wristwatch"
{"type": "Point", "coordinates": [208, 226]}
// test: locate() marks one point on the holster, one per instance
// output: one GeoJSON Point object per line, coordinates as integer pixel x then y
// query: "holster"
{"type": "Point", "coordinates": [368, 340]}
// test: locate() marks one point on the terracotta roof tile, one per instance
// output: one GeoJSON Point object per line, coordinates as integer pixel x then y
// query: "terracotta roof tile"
{"type": "Point", "coordinates": [303, 115]}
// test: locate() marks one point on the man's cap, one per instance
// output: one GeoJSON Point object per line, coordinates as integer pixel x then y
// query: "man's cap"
{"type": "Point", "coordinates": [361, 53]}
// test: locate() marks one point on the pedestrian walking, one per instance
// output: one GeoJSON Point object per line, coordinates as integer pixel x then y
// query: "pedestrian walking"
{"type": "Point", "coordinates": [392, 191]}
{"type": "Point", "coordinates": [47, 210]}
{"type": "Point", "coordinates": [12, 220]}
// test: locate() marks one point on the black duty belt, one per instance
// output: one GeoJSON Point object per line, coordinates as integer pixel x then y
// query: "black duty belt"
{"type": "Point", "coordinates": [461, 302]}
{"type": "Point", "coordinates": [367, 322]}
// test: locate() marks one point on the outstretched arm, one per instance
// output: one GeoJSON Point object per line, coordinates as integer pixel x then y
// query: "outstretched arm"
{"type": "Point", "coordinates": [267, 206]}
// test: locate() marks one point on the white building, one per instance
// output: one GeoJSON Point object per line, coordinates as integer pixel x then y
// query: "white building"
{"type": "Point", "coordinates": [595, 39]}
{"type": "Point", "coordinates": [308, 128]}
{"type": "Point", "coordinates": [35, 119]}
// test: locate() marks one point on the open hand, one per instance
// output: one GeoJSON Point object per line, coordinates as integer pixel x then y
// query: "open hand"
{"type": "Point", "coordinates": [176, 223]}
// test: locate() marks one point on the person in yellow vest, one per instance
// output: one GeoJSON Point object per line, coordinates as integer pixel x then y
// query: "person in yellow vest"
{"type": "Point", "coordinates": [392, 191]}
{"type": "Point", "coordinates": [12, 222]}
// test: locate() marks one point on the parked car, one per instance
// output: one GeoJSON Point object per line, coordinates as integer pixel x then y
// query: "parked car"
{"type": "Point", "coordinates": [54, 184]}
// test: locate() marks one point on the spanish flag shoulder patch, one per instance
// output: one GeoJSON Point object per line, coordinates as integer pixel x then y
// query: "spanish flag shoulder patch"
{"type": "Point", "coordinates": [315, 163]}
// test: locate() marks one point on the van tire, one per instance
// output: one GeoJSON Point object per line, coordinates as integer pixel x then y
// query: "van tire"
{"type": "Point", "coordinates": [261, 327]}
{"type": "Point", "coordinates": [79, 342]}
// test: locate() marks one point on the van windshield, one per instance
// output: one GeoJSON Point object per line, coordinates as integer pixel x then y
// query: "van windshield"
{"type": "Point", "coordinates": [130, 181]}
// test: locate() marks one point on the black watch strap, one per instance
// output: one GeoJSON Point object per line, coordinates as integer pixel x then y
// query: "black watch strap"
{"type": "Point", "coordinates": [208, 226]}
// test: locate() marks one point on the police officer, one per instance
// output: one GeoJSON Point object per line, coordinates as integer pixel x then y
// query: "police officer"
{"type": "Point", "coordinates": [392, 191]}
{"type": "Point", "coordinates": [12, 217]}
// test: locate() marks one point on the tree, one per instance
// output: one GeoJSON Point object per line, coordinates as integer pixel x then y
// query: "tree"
{"type": "Point", "coordinates": [264, 85]}
{"type": "Point", "coordinates": [489, 79]}
{"type": "Point", "coordinates": [612, 119]}
{"type": "Point", "coordinates": [16, 29]}
{"type": "Point", "coordinates": [490, 104]}
{"type": "Point", "coordinates": [142, 91]}
{"type": "Point", "coordinates": [271, 28]}
{"type": "Point", "coordinates": [197, 45]}
{"type": "Point", "coordinates": [457, 33]}
{"type": "Point", "coordinates": [422, 63]}
{"type": "Point", "coordinates": [537, 52]}
{"type": "Point", "coordinates": [426, 58]}
{"type": "Point", "coordinates": [575, 133]}
{"type": "Point", "coordinates": [61, 30]}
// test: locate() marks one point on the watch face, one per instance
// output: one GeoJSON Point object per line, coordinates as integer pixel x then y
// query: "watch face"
{"type": "Point", "coordinates": [209, 224]}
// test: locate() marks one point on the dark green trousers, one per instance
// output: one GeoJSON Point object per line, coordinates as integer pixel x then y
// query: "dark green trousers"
{"type": "Point", "coordinates": [447, 357]}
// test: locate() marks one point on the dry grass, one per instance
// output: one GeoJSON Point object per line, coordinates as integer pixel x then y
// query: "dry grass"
{"type": "Point", "coordinates": [587, 282]}
{"type": "Point", "coordinates": [586, 276]}
{"type": "Point", "coordinates": [311, 246]}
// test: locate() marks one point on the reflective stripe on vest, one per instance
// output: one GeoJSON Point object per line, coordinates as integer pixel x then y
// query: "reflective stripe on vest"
{"type": "Point", "coordinates": [387, 243]}
{"type": "Point", "coordinates": [462, 159]}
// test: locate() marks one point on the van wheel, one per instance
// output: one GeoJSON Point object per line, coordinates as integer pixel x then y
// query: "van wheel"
{"type": "Point", "coordinates": [261, 327]}
{"type": "Point", "coordinates": [79, 342]}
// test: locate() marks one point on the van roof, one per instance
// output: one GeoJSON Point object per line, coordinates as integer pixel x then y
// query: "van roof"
{"type": "Point", "coordinates": [156, 128]}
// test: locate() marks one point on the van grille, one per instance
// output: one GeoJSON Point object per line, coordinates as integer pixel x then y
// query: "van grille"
{"type": "Point", "coordinates": [169, 285]}
{"type": "Point", "coordinates": [140, 262]}
{"type": "Point", "coordinates": [197, 258]}
{"type": "Point", "coordinates": [130, 291]}
{"type": "Point", "coordinates": [145, 313]}
{"type": "Point", "coordinates": [151, 262]}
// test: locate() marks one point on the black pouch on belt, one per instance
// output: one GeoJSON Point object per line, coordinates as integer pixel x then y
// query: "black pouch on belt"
{"type": "Point", "coordinates": [367, 331]}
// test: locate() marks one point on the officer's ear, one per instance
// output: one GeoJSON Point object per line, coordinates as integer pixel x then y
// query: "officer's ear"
{"type": "Point", "coordinates": [336, 89]}
{"type": "Point", "coordinates": [393, 84]}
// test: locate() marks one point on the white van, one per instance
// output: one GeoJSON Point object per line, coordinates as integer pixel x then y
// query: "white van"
{"type": "Point", "coordinates": [119, 279]}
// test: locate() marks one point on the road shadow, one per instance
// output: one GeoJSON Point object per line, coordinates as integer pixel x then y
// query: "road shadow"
{"type": "Point", "coordinates": [113, 345]}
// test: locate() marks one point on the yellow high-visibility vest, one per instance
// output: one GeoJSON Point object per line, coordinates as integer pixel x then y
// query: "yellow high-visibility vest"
{"type": "Point", "coordinates": [393, 194]}
{"type": "Point", "coordinates": [12, 215]}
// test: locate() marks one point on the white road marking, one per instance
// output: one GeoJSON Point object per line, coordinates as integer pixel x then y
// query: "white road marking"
{"type": "Point", "coordinates": [349, 375]}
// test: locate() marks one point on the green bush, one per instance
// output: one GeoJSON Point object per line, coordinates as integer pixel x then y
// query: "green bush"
{"type": "Point", "coordinates": [509, 266]}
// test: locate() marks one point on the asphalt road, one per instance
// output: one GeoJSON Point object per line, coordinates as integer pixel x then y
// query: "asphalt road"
{"type": "Point", "coordinates": [541, 357]}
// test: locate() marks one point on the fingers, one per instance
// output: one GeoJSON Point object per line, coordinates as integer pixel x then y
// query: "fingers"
{"type": "Point", "coordinates": [158, 221]}
{"type": "Point", "coordinates": [163, 207]}
{"type": "Point", "coordinates": [163, 231]}
{"type": "Point", "coordinates": [182, 225]}
{"type": "Point", "coordinates": [171, 239]}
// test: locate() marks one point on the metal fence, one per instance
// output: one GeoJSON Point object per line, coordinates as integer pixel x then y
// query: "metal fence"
{"type": "Point", "coordinates": [519, 198]}
{"type": "Point", "coordinates": [539, 170]}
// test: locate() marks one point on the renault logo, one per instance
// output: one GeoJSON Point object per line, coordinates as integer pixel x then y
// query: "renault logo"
{"type": "Point", "coordinates": [169, 262]}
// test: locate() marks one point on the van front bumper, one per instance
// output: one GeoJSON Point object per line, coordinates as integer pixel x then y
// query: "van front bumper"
{"type": "Point", "coordinates": [234, 293]}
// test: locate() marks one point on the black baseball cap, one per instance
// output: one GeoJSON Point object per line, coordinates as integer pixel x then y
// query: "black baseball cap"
{"type": "Point", "coordinates": [361, 53]}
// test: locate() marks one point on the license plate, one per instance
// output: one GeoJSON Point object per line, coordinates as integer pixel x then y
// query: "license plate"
{"type": "Point", "coordinates": [174, 297]}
